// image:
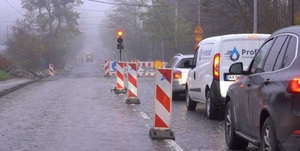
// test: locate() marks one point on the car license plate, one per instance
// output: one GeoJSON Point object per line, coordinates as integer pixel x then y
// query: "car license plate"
{"type": "Point", "coordinates": [231, 77]}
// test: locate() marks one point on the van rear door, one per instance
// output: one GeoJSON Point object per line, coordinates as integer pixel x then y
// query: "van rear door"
{"type": "Point", "coordinates": [237, 48]}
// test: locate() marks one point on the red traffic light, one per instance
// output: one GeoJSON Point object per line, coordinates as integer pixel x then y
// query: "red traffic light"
{"type": "Point", "coordinates": [120, 33]}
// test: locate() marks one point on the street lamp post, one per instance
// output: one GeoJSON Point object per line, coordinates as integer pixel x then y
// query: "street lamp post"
{"type": "Point", "coordinates": [255, 16]}
{"type": "Point", "coordinates": [292, 12]}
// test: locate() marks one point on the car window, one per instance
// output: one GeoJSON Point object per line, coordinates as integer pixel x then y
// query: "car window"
{"type": "Point", "coordinates": [260, 57]}
{"type": "Point", "coordinates": [281, 61]}
{"type": "Point", "coordinates": [182, 63]}
{"type": "Point", "coordinates": [172, 63]}
{"type": "Point", "coordinates": [290, 53]}
{"type": "Point", "coordinates": [279, 45]}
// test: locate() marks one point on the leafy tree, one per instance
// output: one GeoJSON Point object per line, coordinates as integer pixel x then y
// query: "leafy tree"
{"type": "Point", "coordinates": [161, 28]}
{"type": "Point", "coordinates": [149, 28]}
{"type": "Point", "coordinates": [55, 21]}
{"type": "Point", "coordinates": [124, 16]}
{"type": "Point", "coordinates": [25, 47]}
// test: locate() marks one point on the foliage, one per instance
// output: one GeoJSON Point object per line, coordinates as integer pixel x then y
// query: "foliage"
{"type": "Point", "coordinates": [148, 30]}
{"type": "Point", "coordinates": [25, 45]}
{"type": "Point", "coordinates": [152, 28]}
{"type": "Point", "coordinates": [4, 75]}
{"type": "Point", "coordinates": [4, 62]}
{"type": "Point", "coordinates": [126, 18]}
{"type": "Point", "coordinates": [26, 64]}
{"type": "Point", "coordinates": [48, 27]}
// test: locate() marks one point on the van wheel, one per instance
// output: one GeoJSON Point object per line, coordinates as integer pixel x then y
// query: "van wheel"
{"type": "Point", "coordinates": [268, 136]}
{"type": "Point", "coordinates": [232, 140]}
{"type": "Point", "coordinates": [190, 104]}
{"type": "Point", "coordinates": [212, 110]}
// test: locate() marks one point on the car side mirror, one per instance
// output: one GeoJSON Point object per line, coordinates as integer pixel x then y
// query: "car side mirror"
{"type": "Point", "coordinates": [236, 68]}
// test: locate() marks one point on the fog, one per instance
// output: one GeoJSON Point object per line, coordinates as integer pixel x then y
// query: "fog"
{"type": "Point", "coordinates": [91, 15]}
{"type": "Point", "coordinates": [9, 12]}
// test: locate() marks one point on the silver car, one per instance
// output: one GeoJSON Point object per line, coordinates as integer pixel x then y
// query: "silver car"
{"type": "Point", "coordinates": [180, 64]}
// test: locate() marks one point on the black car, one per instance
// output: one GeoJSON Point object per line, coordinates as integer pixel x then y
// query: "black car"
{"type": "Point", "coordinates": [263, 104]}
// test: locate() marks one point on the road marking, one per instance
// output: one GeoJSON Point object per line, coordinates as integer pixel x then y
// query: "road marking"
{"type": "Point", "coordinates": [171, 143]}
{"type": "Point", "coordinates": [144, 115]}
{"type": "Point", "coordinates": [174, 145]}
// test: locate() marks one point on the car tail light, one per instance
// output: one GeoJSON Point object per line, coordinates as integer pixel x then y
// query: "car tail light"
{"type": "Point", "coordinates": [296, 132]}
{"type": "Point", "coordinates": [294, 85]}
{"type": "Point", "coordinates": [216, 67]}
{"type": "Point", "coordinates": [177, 74]}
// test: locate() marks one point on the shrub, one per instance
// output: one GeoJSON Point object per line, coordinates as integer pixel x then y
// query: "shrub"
{"type": "Point", "coordinates": [26, 64]}
{"type": "Point", "coordinates": [4, 62]}
{"type": "Point", "coordinates": [4, 75]}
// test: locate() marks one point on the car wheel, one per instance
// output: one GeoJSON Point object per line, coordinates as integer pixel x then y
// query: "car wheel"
{"type": "Point", "coordinates": [268, 136]}
{"type": "Point", "coordinates": [175, 95]}
{"type": "Point", "coordinates": [212, 110]}
{"type": "Point", "coordinates": [190, 104]}
{"type": "Point", "coordinates": [233, 141]}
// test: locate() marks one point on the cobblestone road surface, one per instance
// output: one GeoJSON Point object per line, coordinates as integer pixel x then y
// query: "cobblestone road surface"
{"type": "Point", "coordinates": [78, 112]}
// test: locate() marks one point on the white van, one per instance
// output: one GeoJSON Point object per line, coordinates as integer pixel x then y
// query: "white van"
{"type": "Point", "coordinates": [208, 80]}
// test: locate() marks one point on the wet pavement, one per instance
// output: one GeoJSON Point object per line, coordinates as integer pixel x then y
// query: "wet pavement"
{"type": "Point", "coordinates": [79, 112]}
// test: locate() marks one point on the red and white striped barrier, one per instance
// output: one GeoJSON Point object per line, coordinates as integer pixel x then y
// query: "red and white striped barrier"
{"type": "Point", "coordinates": [51, 70]}
{"type": "Point", "coordinates": [162, 105]}
{"type": "Point", "coordinates": [145, 64]}
{"type": "Point", "coordinates": [106, 68]}
{"type": "Point", "coordinates": [143, 68]}
{"type": "Point", "coordinates": [146, 74]}
{"type": "Point", "coordinates": [132, 84]}
{"type": "Point", "coordinates": [120, 88]}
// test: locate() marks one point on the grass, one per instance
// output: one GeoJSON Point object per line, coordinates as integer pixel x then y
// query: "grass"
{"type": "Point", "coordinates": [4, 76]}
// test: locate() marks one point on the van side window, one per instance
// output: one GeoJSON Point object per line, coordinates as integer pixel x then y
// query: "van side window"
{"type": "Point", "coordinates": [279, 45]}
{"type": "Point", "coordinates": [196, 56]}
{"type": "Point", "coordinates": [260, 57]}
{"type": "Point", "coordinates": [287, 56]}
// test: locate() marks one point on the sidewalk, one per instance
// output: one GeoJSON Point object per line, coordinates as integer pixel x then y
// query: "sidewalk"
{"type": "Point", "coordinates": [11, 85]}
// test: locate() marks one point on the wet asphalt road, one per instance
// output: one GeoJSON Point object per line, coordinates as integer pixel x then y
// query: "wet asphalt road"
{"type": "Point", "coordinates": [78, 112]}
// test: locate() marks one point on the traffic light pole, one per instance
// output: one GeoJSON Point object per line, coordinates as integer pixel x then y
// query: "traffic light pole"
{"type": "Point", "coordinates": [120, 54]}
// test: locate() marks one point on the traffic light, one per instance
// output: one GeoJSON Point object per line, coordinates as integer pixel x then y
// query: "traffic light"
{"type": "Point", "coordinates": [120, 40]}
{"type": "Point", "coordinates": [120, 33]}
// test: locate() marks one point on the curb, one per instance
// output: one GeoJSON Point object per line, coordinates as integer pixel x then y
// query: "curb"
{"type": "Point", "coordinates": [12, 89]}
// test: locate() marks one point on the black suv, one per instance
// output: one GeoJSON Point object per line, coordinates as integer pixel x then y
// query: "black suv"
{"type": "Point", "coordinates": [263, 104]}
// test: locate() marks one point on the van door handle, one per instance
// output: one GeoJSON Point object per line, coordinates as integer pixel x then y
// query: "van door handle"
{"type": "Point", "coordinates": [267, 81]}
{"type": "Point", "coordinates": [194, 75]}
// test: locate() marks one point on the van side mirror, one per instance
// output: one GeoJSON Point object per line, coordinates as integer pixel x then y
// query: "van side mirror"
{"type": "Point", "coordinates": [236, 68]}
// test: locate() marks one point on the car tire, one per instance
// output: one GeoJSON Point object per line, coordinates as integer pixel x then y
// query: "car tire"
{"type": "Point", "coordinates": [233, 141]}
{"type": "Point", "coordinates": [175, 96]}
{"type": "Point", "coordinates": [190, 104]}
{"type": "Point", "coordinates": [268, 136]}
{"type": "Point", "coordinates": [212, 111]}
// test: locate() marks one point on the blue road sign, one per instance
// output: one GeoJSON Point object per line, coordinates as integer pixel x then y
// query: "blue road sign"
{"type": "Point", "coordinates": [114, 65]}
